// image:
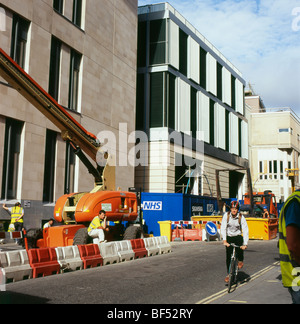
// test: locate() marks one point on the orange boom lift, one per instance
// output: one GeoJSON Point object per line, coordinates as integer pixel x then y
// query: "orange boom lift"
{"type": "Point", "coordinates": [75, 211]}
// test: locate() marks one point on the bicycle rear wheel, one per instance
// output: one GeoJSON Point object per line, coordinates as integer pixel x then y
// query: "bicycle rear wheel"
{"type": "Point", "coordinates": [232, 273]}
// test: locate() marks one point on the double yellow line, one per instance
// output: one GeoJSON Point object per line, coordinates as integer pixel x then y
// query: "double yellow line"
{"type": "Point", "coordinates": [224, 292]}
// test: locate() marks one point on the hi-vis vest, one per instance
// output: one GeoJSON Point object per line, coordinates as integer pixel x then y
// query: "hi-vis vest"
{"type": "Point", "coordinates": [289, 268]}
{"type": "Point", "coordinates": [16, 212]}
{"type": "Point", "coordinates": [96, 222]}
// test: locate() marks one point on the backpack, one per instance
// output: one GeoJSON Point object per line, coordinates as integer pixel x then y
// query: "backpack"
{"type": "Point", "coordinates": [240, 220]}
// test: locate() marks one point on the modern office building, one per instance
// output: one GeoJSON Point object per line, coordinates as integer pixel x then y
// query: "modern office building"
{"type": "Point", "coordinates": [190, 103]}
{"type": "Point", "coordinates": [274, 141]}
{"type": "Point", "coordinates": [84, 53]}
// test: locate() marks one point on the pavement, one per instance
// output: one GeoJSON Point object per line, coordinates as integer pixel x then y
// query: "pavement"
{"type": "Point", "coordinates": [264, 287]}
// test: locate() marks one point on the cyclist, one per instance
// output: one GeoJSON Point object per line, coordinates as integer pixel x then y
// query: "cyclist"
{"type": "Point", "coordinates": [233, 225]}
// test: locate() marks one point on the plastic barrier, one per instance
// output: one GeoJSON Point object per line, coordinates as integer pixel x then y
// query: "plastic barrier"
{"type": "Point", "coordinates": [2, 280]}
{"type": "Point", "coordinates": [163, 244]}
{"type": "Point", "coordinates": [177, 234]}
{"type": "Point", "coordinates": [43, 262]}
{"type": "Point", "coordinates": [151, 246]}
{"type": "Point", "coordinates": [90, 255]}
{"type": "Point", "coordinates": [15, 265]}
{"type": "Point", "coordinates": [109, 253]}
{"type": "Point", "coordinates": [68, 258]}
{"type": "Point", "coordinates": [192, 235]}
{"type": "Point", "coordinates": [35, 263]}
{"type": "Point", "coordinates": [139, 249]}
{"type": "Point", "coordinates": [11, 235]}
{"type": "Point", "coordinates": [182, 233]}
{"type": "Point", "coordinates": [124, 250]}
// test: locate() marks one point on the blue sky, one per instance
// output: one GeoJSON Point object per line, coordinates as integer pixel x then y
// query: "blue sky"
{"type": "Point", "coordinates": [260, 37]}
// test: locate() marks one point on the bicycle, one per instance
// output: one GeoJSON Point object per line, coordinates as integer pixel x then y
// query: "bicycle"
{"type": "Point", "coordinates": [233, 268]}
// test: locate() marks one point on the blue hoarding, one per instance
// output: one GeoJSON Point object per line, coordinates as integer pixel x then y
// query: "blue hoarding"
{"type": "Point", "coordinates": [173, 207]}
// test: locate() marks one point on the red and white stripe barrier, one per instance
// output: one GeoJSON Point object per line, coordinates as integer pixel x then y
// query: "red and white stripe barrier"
{"type": "Point", "coordinates": [11, 235]}
{"type": "Point", "coordinates": [26, 264]}
{"type": "Point", "coordinates": [194, 222]}
{"type": "Point", "coordinates": [180, 233]}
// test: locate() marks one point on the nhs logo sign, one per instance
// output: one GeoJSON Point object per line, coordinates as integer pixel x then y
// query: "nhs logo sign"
{"type": "Point", "coordinates": [152, 205]}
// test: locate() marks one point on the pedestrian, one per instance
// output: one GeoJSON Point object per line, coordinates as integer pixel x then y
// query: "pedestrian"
{"type": "Point", "coordinates": [289, 245]}
{"type": "Point", "coordinates": [17, 214]}
{"type": "Point", "coordinates": [49, 224]}
{"type": "Point", "coordinates": [97, 228]}
{"type": "Point", "coordinates": [232, 227]}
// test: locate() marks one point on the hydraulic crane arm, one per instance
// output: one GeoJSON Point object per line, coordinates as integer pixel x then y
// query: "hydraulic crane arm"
{"type": "Point", "coordinates": [70, 128]}
{"type": "Point", "coordinates": [79, 138]}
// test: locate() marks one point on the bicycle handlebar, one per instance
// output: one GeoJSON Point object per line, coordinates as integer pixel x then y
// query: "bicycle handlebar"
{"type": "Point", "coordinates": [236, 246]}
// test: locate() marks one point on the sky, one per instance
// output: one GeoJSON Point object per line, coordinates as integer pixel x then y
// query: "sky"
{"type": "Point", "coordinates": [260, 37]}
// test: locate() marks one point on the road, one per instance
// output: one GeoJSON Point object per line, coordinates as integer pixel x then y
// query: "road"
{"type": "Point", "coordinates": [192, 272]}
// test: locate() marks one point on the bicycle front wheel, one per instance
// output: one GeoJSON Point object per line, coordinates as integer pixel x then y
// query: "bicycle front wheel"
{"type": "Point", "coordinates": [232, 273]}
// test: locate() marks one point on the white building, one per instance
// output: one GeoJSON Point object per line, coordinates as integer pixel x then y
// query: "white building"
{"type": "Point", "coordinates": [274, 141]}
{"type": "Point", "coordinates": [187, 88]}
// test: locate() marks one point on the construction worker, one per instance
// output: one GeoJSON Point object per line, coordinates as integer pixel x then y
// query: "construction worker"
{"type": "Point", "coordinates": [17, 214]}
{"type": "Point", "coordinates": [289, 245]}
{"type": "Point", "coordinates": [97, 228]}
{"type": "Point", "coordinates": [266, 213]}
{"type": "Point", "coordinates": [49, 224]}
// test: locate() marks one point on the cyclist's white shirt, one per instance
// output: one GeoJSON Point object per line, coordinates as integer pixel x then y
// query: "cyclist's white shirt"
{"type": "Point", "coordinates": [233, 227]}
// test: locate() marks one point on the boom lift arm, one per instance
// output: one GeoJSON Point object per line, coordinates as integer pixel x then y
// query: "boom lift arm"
{"type": "Point", "coordinates": [76, 210]}
{"type": "Point", "coordinates": [71, 131]}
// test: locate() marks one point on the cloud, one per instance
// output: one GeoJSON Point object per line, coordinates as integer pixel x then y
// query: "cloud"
{"type": "Point", "coordinates": [258, 36]}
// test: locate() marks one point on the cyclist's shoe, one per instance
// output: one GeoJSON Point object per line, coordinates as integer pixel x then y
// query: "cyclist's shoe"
{"type": "Point", "coordinates": [227, 279]}
{"type": "Point", "coordinates": [240, 264]}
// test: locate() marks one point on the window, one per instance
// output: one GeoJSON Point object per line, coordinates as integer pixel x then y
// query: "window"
{"type": "Point", "coordinates": [227, 131]}
{"type": "Point", "coordinates": [194, 112]}
{"type": "Point", "coordinates": [140, 97]}
{"type": "Point", "coordinates": [12, 148]}
{"type": "Point", "coordinates": [171, 97]}
{"type": "Point", "coordinates": [233, 92]}
{"type": "Point", "coordinates": [156, 99]}
{"type": "Point", "coordinates": [284, 130]}
{"type": "Point", "coordinates": [74, 80]}
{"type": "Point", "coordinates": [281, 170]}
{"type": "Point", "coordinates": [77, 12]}
{"type": "Point", "coordinates": [58, 5]}
{"type": "Point", "coordinates": [275, 169]}
{"type": "Point", "coordinates": [219, 81]}
{"type": "Point", "coordinates": [19, 40]}
{"type": "Point", "coordinates": [157, 42]}
{"type": "Point", "coordinates": [212, 122]}
{"type": "Point", "coordinates": [162, 100]}
{"type": "Point", "coordinates": [142, 36]}
{"type": "Point", "coordinates": [54, 68]}
{"type": "Point", "coordinates": [49, 170]}
{"type": "Point", "coordinates": [183, 52]}
{"type": "Point", "coordinates": [70, 170]}
{"type": "Point", "coordinates": [203, 55]}
{"type": "Point", "coordinates": [240, 137]}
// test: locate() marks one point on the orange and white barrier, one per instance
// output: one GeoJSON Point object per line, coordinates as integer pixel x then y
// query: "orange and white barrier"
{"type": "Point", "coordinates": [184, 234]}
{"type": "Point", "coordinates": [27, 264]}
